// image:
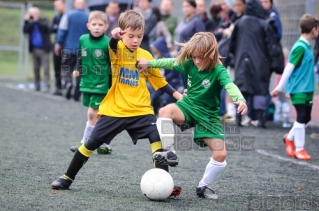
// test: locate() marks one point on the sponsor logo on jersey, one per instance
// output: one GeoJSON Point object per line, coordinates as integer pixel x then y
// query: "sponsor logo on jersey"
{"type": "Point", "coordinates": [128, 77]}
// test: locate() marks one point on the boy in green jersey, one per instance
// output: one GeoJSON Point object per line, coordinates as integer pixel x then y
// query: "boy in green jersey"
{"type": "Point", "coordinates": [298, 80]}
{"type": "Point", "coordinates": [93, 65]}
{"type": "Point", "coordinates": [199, 62]}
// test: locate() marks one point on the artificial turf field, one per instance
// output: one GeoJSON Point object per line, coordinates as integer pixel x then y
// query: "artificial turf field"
{"type": "Point", "coordinates": [36, 131]}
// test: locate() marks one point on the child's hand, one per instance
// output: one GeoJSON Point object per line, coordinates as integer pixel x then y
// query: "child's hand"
{"type": "Point", "coordinates": [76, 73]}
{"type": "Point", "coordinates": [57, 49]}
{"type": "Point", "coordinates": [242, 107]}
{"type": "Point", "coordinates": [274, 93]}
{"type": "Point", "coordinates": [177, 95]}
{"type": "Point", "coordinates": [141, 65]}
{"type": "Point", "coordinates": [117, 33]}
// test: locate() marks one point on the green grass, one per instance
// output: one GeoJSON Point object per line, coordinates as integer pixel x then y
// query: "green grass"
{"type": "Point", "coordinates": [10, 31]}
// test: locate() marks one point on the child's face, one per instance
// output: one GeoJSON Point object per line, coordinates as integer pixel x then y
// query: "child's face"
{"type": "Point", "coordinates": [144, 4]}
{"type": "Point", "coordinates": [132, 38]}
{"type": "Point", "coordinates": [198, 61]}
{"type": "Point", "coordinates": [239, 7]}
{"type": "Point", "coordinates": [97, 27]}
{"type": "Point", "coordinates": [266, 4]}
{"type": "Point", "coordinates": [315, 32]}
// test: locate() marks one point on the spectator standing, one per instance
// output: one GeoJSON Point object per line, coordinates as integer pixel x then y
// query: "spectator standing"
{"type": "Point", "coordinates": [272, 12]}
{"type": "Point", "coordinates": [161, 29]}
{"type": "Point", "coordinates": [216, 14]}
{"type": "Point", "coordinates": [190, 25]}
{"type": "Point", "coordinates": [169, 20]}
{"type": "Point", "coordinates": [250, 44]}
{"type": "Point", "coordinates": [38, 31]}
{"type": "Point", "coordinates": [201, 11]}
{"type": "Point", "coordinates": [60, 8]}
{"type": "Point", "coordinates": [71, 28]}
{"type": "Point", "coordinates": [145, 7]}
{"type": "Point", "coordinates": [227, 10]}
{"type": "Point", "coordinates": [113, 14]}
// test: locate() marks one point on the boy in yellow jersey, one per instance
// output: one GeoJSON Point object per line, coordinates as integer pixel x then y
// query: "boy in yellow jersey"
{"type": "Point", "coordinates": [127, 105]}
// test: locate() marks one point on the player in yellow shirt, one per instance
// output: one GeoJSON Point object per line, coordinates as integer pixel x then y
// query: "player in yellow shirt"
{"type": "Point", "coordinates": [127, 106]}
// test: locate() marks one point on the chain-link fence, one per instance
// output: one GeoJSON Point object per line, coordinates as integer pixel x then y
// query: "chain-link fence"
{"type": "Point", "coordinates": [290, 12]}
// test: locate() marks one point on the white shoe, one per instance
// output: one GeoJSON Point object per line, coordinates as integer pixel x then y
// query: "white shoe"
{"type": "Point", "coordinates": [245, 121]}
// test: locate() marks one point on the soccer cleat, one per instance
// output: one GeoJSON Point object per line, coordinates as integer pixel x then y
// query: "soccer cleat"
{"type": "Point", "coordinates": [104, 149]}
{"type": "Point", "coordinates": [166, 158]}
{"type": "Point", "coordinates": [290, 146]}
{"type": "Point", "coordinates": [176, 191]}
{"type": "Point", "coordinates": [61, 183]}
{"type": "Point", "coordinates": [206, 192]}
{"type": "Point", "coordinates": [302, 155]}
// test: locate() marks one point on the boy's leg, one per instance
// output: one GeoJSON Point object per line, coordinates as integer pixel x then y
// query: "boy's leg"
{"type": "Point", "coordinates": [213, 169]}
{"type": "Point", "coordinates": [45, 57]}
{"type": "Point", "coordinates": [169, 115]}
{"type": "Point", "coordinates": [104, 130]}
{"type": "Point", "coordinates": [156, 146]}
{"type": "Point", "coordinates": [36, 68]}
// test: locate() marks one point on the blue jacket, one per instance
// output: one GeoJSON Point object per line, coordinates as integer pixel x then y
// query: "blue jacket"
{"type": "Point", "coordinates": [72, 27]}
{"type": "Point", "coordinates": [273, 13]}
{"type": "Point", "coordinates": [172, 77]}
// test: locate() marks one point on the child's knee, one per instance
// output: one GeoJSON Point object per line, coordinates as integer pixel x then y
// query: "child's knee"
{"type": "Point", "coordinates": [92, 114]}
{"type": "Point", "coordinates": [164, 112]}
{"type": "Point", "coordinates": [220, 156]}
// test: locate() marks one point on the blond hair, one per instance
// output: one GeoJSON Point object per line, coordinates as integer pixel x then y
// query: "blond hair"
{"type": "Point", "coordinates": [98, 15]}
{"type": "Point", "coordinates": [131, 19]}
{"type": "Point", "coordinates": [202, 43]}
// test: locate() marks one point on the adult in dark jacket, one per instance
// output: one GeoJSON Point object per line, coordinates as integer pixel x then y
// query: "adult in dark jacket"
{"type": "Point", "coordinates": [201, 11]}
{"type": "Point", "coordinates": [272, 12]}
{"type": "Point", "coordinates": [38, 31]}
{"type": "Point", "coordinates": [60, 8]}
{"type": "Point", "coordinates": [145, 7]}
{"type": "Point", "coordinates": [71, 28]}
{"type": "Point", "coordinates": [251, 43]}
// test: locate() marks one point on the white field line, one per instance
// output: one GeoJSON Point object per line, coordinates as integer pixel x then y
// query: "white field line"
{"type": "Point", "coordinates": [291, 160]}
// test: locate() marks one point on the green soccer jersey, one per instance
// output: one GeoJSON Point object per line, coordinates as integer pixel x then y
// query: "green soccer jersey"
{"type": "Point", "coordinates": [203, 87]}
{"type": "Point", "coordinates": [297, 53]}
{"type": "Point", "coordinates": [95, 64]}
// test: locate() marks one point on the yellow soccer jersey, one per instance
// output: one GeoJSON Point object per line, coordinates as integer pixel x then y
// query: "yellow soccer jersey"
{"type": "Point", "coordinates": [129, 95]}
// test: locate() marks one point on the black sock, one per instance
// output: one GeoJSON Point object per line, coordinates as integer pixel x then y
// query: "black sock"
{"type": "Point", "coordinates": [76, 164]}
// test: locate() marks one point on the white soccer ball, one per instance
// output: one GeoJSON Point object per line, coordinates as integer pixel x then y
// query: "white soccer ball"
{"type": "Point", "coordinates": [157, 184]}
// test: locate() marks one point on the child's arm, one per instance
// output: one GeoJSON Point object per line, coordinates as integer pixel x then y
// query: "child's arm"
{"type": "Point", "coordinates": [157, 80]}
{"type": "Point", "coordinates": [116, 36]}
{"type": "Point", "coordinates": [283, 80]}
{"type": "Point", "coordinates": [172, 92]}
{"type": "Point", "coordinates": [294, 61]}
{"type": "Point", "coordinates": [77, 67]}
{"type": "Point", "coordinates": [237, 97]}
{"type": "Point", "coordinates": [168, 63]}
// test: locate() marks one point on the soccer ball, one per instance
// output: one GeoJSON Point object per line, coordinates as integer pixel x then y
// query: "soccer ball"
{"type": "Point", "coordinates": [157, 184]}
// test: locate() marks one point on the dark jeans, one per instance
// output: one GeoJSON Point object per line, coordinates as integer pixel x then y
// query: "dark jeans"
{"type": "Point", "coordinates": [68, 65]}
{"type": "Point", "coordinates": [41, 58]}
{"type": "Point", "coordinates": [222, 110]}
{"type": "Point", "coordinates": [57, 62]}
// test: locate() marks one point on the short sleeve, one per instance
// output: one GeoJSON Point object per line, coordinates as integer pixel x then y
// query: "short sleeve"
{"type": "Point", "coordinates": [296, 56]}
